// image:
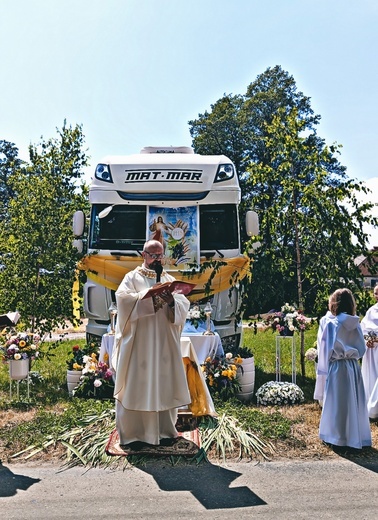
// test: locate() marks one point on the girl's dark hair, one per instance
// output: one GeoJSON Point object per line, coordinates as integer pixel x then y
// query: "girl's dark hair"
{"type": "Point", "coordinates": [342, 300]}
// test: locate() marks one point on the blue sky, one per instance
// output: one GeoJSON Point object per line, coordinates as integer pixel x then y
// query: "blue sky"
{"type": "Point", "coordinates": [134, 72]}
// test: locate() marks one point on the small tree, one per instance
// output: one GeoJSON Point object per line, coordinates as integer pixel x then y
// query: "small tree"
{"type": "Point", "coordinates": [40, 262]}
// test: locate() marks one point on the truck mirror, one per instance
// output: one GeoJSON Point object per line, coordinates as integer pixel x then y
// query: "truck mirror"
{"type": "Point", "coordinates": [78, 244]}
{"type": "Point", "coordinates": [78, 223]}
{"type": "Point", "coordinates": [252, 223]}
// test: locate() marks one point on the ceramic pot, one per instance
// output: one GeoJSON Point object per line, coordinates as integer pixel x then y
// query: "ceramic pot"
{"type": "Point", "coordinates": [73, 379]}
{"type": "Point", "coordinates": [246, 377]}
{"type": "Point", "coordinates": [19, 368]}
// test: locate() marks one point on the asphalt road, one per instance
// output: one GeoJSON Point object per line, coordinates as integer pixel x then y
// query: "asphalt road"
{"type": "Point", "coordinates": [337, 489]}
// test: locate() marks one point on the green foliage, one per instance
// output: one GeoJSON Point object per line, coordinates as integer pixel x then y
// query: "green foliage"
{"type": "Point", "coordinates": [83, 426]}
{"type": "Point", "coordinates": [308, 209]}
{"type": "Point", "coordinates": [36, 235]}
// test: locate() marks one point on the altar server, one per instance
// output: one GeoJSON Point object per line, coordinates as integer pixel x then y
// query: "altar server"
{"type": "Point", "coordinates": [344, 420]}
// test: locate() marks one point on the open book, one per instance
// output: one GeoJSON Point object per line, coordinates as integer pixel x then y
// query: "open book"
{"type": "Point", "coordinates": [9, 320]}
{"type": "Point", "coordinates": [176, 286]}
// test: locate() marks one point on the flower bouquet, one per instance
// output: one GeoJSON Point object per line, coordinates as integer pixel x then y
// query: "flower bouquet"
{"type": "Point", "coordinates": [287, 321]}
{"type": "Point", "coordinates": [96, 380]}
{"type": "Point", "coordinates": [221, 375]}
{"type": "Point", "coordinates": [371, 339]}
{"type": "Point", "coordinates": [279, 393]}
{"type": "Point", "coordinates": [311, 354]}
{"type": "Point", "coordinates": [196, 315]}
{"type": "Point", "coordinates": [22, 345]}
{"type": "Point", "coordinates": [76, 360]}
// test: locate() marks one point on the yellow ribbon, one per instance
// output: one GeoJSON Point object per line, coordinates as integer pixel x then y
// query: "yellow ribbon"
{"type": "Point", "coordinates": [109, 272]}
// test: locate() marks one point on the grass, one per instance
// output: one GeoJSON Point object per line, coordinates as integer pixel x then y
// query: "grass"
{"type": "Point", "coordinates": [53, 426]}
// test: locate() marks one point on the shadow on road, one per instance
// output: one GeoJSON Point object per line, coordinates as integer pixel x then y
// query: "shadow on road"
{"type": "Point", "coordinates": [11, 483]}
{"type": "Point", "coordinates": [209, 484]}
{"type": "Point", "coordinates": [366, 458]}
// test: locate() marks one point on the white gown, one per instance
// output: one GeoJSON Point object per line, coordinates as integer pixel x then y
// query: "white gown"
{"type": "Point", "coordinates": [321, 379]}
{"type": "Point", "coordinates": [344, 420]}
{"type": "Point", "coordinates": [370, 363]}
{"type": "Point", "coordinates": [150, 379]}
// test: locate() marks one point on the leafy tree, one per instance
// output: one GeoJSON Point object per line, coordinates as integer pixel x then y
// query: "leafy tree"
{"type": "Point", "coordinates": [311, 221]}
{"type": "Point", "coordinates": [40, 261]}
{"type": "Point", "coordinates": [9, 162]}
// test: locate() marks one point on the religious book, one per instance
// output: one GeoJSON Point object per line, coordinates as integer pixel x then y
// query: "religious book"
{"type": "Point", "coordinates": [175, 287]}
{"type": "Point", "coordinates": [9, 320]}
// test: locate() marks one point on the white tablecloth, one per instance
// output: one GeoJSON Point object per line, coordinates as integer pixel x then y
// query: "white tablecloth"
{"type": "Point", "coordinates": [205, 346]}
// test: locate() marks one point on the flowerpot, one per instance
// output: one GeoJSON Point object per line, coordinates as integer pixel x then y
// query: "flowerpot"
{"type": "Point", "coordinates": [287, 332]}
{"type": "Point", "coordinates": [73, 379]}
{"type": "Point", "coordinates": [246, 377]}
{"type": "Point", "coordinates": [19, 368]}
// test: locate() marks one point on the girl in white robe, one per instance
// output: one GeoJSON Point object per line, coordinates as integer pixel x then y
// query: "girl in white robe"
{"type": "Point", "coordinates": [370, 360]}
{"type": "Point", "coordinates": [344, 420]}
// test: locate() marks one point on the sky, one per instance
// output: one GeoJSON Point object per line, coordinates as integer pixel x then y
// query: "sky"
{"type": "Point", "coordinates": [134, 72]}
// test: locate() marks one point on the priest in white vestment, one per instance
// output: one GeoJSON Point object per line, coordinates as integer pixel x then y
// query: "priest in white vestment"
{"type": "Point", "coordinates": [370, 360]}
{"type": "Point", "coordinates": [150, 381]}
{"type": "Point", "coordinates": [344, 420]}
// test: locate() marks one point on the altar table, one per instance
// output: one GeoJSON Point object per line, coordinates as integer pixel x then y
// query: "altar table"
{"type": "Point", "coordinates": [205, 346]}
{"type": "Point", "coordinates": [202, 403]}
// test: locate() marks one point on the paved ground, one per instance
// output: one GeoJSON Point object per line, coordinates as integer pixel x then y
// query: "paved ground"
{"type": "Point", "coordinates": [337, 489]}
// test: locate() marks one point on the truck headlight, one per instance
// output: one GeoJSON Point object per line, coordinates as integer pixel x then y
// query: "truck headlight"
{"type": "Point", "coordinates": [102, 173]}
{"type": "Point", "coordinates": [225, 172]}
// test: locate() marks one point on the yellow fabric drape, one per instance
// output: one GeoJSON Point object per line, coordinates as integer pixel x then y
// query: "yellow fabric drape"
{"type": "Point", "coordinates": [109, 272]}
{"type": "Point", "coordinates": [198, 405]}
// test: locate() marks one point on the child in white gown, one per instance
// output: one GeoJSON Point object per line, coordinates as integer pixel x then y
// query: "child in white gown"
{"type": "Point", "coordinates": [344, 420]}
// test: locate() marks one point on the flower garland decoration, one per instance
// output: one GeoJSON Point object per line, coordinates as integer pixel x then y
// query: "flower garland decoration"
{"type": "Point", "coordinates": [76, 361]}
{"type": "Point", "coordinates": [371, 339]}
{"type": "Point", "coordinates": [23, 345]}
{"type": "Point", "coordinates": [196, 315]}
{"type": "Point", "coordinates": [96, 380]}
{"type": "Point", "coordinates": [279, 393]}
{"type": "Point", "coordinates": [287, 319]}
{"type": "Point", "coordinates": [221, 375]}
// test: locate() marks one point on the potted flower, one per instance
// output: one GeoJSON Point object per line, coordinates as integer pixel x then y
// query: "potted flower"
{"type": "Point", "coordinates": [221, 375]}
{"type": "Point", "coordinates": [96, 380]}
{"type": "Point", "coordinates": [19, 350]}
{"type": "Point", "coordinates": [287, 321]}
{"type": "Point", "coordinates": [278, 393]}
{"type": "Point", "coordinates": [245, 372]}
{"type": "Point", "coordinates": [75, 364]}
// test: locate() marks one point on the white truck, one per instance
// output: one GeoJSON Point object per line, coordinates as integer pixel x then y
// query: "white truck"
{"type": "Point", "coordinates": [189, 202]}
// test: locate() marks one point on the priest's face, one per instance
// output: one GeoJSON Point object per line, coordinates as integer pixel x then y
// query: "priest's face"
{"type": "Point", "coordinates": [376, 292]}
{"type": "Point", "coordinates": [153, 255]}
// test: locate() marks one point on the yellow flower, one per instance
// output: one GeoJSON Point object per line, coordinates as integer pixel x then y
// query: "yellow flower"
{"type": "Point", "coordinates": [76, 366]}
{"type": "Point", "coordinates": [22, 343]}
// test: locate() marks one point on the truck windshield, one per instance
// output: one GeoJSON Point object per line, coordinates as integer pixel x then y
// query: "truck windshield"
{"type": "Point", "coordinates": [219, 227]}
{"type": "Point", "coordinates": [125, 227]}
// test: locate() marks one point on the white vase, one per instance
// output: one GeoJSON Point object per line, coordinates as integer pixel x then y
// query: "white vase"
{"type": "Point", "coordinates": [73, 379]}
{"type": "Point", "coordinates": [19, 368]}
{"type": "Point", "coordinates": [246, 377]}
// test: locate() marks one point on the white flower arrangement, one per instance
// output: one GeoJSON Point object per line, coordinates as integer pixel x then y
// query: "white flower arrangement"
{"type": "Point", "coordinates": [311, 354]}
{"type": "Point", "coordinates": [279, 393]}
{"type": "Point", "coordinates": [196, 315]}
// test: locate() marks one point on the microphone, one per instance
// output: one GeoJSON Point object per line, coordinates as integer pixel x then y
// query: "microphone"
{"type": "Point", "coordinates": [158, 270]}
